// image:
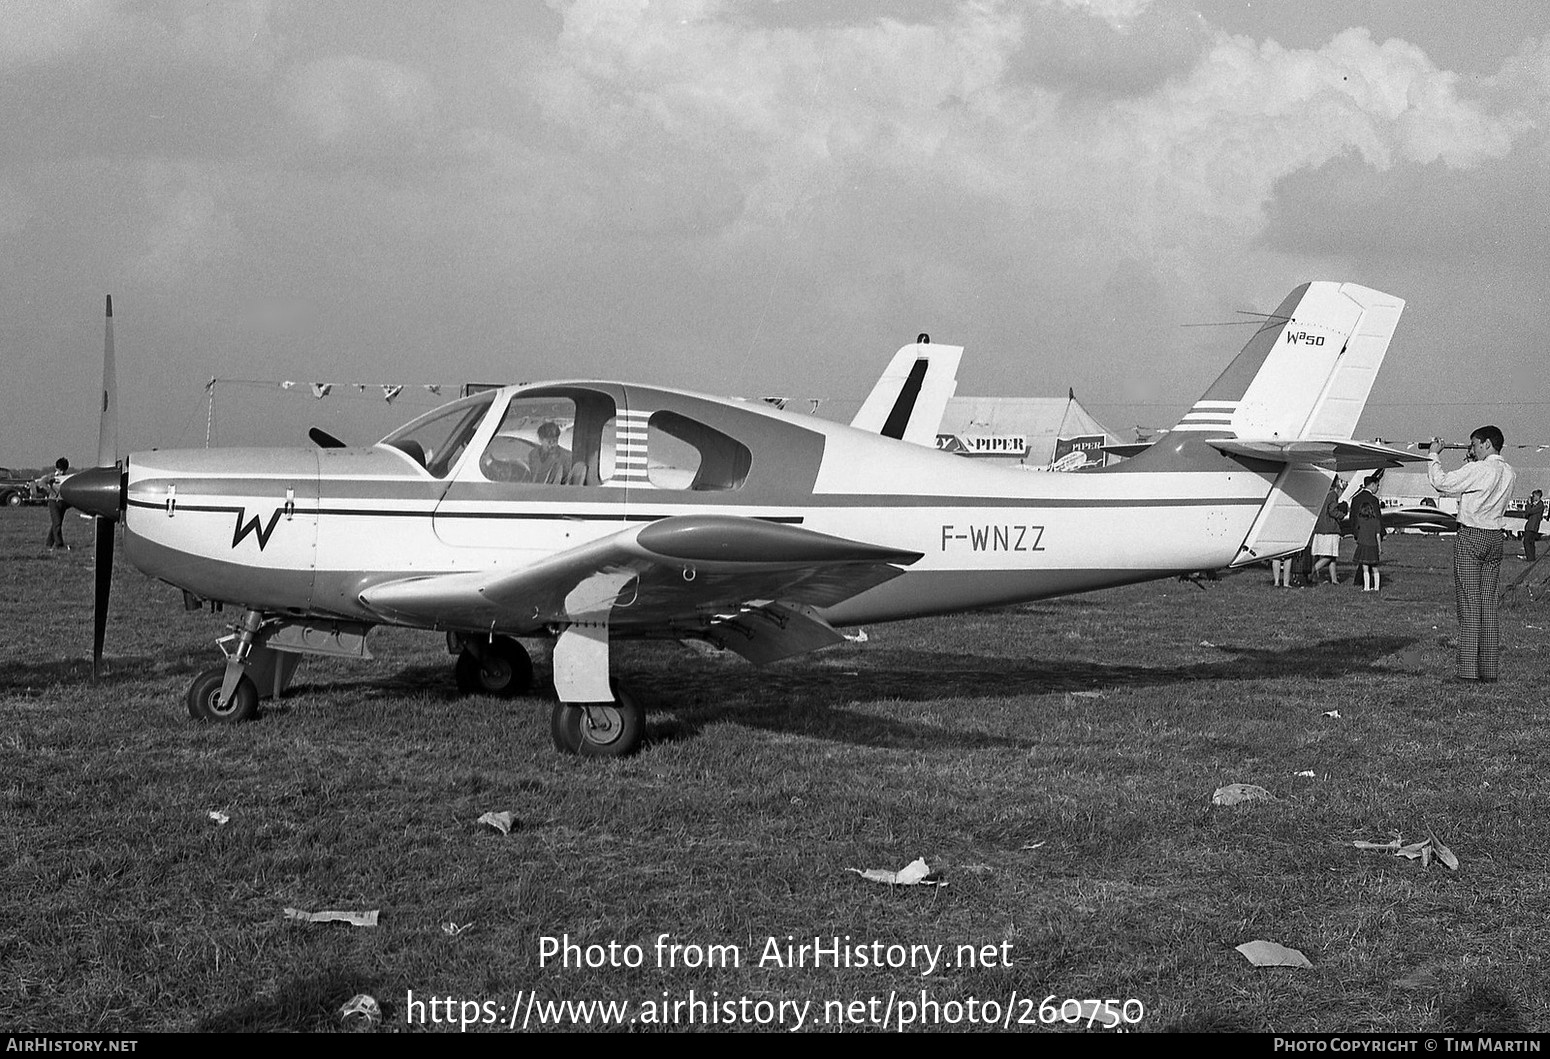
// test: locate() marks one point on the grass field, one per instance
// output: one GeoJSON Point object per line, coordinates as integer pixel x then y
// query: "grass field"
{"type": "Point", "coordinates": [1054, 763]}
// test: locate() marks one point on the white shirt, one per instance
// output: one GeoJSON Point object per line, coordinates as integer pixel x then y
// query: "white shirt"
{"type": "Point", "coordinates": [1483, 488]}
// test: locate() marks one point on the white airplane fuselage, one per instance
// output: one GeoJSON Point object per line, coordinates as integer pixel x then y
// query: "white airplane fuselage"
{"type": "Point", "coordinates": [307, 531]}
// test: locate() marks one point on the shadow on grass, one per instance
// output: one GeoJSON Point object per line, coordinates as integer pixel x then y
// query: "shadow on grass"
{"type": "Point", "coordinates": [15, 676]}
{"type": "Point", "coordinates": [820, 702]}
{"type": "Point", "coordinates": [304, 1004]}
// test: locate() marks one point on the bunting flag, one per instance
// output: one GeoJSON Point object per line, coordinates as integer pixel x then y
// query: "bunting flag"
{"type": "Point", "coordinates": [778, 402]}
{"type": "Point", "coordinates": [288, 384]}
{"type": "Point", "coordinates": [433, 388]}
{"type": "Point", "coordinates": [390, 392]}
{"type": "Point", "coordinates": [320, 389]}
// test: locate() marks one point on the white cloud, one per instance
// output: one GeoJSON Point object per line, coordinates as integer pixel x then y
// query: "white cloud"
{"type": "Point", "coordinates": [1117, 13]}
{"type": "Point", "coordinates": [15, 210]}
{"type": "Point", "coordinates": [351, 98]}
{"type": "Point", "coordinates": [37, 31]}
{"type": "Point", "coordinates": [191, 227]}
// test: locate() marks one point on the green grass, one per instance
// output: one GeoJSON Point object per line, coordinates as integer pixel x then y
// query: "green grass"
{"type": "Point", "coordinates": [1075, 828]}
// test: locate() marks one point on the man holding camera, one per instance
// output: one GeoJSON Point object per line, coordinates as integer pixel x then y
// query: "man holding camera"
{"type": "Point", "coordinates": [1483, 487]}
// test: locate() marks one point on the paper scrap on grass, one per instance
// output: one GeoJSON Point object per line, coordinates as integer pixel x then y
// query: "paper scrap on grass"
{"type": "Point", "coordinates": [219, 817]}
{"type": "Point", "coordinates": [1332, 713]}
{"type": "Point", "coordinates": [1234, 793]}
{"type": "Point", "coordinates": [362, 1006]}
{"type": "Point", "coordinates": [1269, 954]}
{"type": "Point", "coordinates": [500, 821]}
{"type": "Point", "coordinates": [1307, 773]}
{"type": "Point", "coordinates": [355, 919]}
{"type": "Point", "coordinates": [1086, 694]}
{"type": "Point", "coordinates": [1207, 643]}
{"type": "Point", "coordinates": [1425, 851]}
{"type": "Point", "coordinates": [859, 636]}
{"type": "Point", "coordinates": [916, 873]}
{"type": "Point", "coordinates": [452, 929]}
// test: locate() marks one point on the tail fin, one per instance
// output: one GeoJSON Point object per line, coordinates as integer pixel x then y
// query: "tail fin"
{"type": "Point", "coordinates": [1308, 370]}
{"type": "Point", "coordinates": [912, 393]}
{"type": "Point", "coordinates": [1291, 398]}
{"type": "Point", "coordinates": [1304, 376]}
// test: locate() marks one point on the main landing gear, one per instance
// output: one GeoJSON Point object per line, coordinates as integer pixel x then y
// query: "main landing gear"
{"type": "Point", "coordinates": [612, 726]}
{"type": "Point", "coordinates": [599, 729]}
{"type": "Point", "coordinates": [497, 666]}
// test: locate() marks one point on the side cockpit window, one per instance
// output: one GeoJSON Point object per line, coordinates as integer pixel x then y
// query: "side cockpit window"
{"type": "Point", "coordinates": [437, 439]}
{"type": "Point", "coordinates": [683, 453]}
{"type": "Point", "coordinates": [554, 438]}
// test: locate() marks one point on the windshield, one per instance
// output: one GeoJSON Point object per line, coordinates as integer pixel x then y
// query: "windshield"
{"type": "Point", "coordinates": [438, 438]}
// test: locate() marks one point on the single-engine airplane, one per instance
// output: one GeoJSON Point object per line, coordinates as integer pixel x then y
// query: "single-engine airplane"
{"type": "Point", "coordinates": [654, 512]}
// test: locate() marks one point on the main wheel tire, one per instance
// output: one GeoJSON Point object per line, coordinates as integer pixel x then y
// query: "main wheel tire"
{"type": "Point", "coordinates": [607, 729]}
{"type": "Point", "coordinates": [204, 699]}
{"type": "Point", "coordinates": [13, 500]}
{"type": "Point", "coordinates": [502, 668]}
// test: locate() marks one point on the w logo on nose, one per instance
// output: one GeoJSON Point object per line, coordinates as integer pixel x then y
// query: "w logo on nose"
{"type": "Point", "coordinates": [252, 526]}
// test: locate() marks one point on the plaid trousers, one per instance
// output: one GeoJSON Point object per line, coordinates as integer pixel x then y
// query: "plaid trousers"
{"type": "Point", "coordinates": [1477, 565]}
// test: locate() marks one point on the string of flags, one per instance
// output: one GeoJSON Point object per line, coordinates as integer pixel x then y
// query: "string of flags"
{"type": "Point", "coordinates": [320, 390]}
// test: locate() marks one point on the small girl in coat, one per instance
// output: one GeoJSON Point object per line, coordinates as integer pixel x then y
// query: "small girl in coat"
{"type": "Point", "coordinates": [1368, 518]}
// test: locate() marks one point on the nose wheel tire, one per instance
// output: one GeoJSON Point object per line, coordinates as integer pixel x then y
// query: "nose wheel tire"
{"type": "Point", "coordinates": [204, 699]}
{"type": "Point", "coordinates": [599, 729]}
{"type": "Point", "coordinates": [499, 667]}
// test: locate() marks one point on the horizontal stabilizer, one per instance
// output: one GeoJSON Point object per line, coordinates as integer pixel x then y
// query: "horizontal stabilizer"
{"type": "Point", "coordinates": [1331, 455]}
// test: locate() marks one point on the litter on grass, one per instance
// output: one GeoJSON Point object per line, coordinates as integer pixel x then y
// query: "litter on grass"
{"type": "Point", "coordinates": [1269, 954]}
{"type": "Point", "coordinates": [859, 636]}
{"type": "Point", "coordinates": [1425, 851]}
{"type": "Point", "coordinates": [355, 919]}
{"type": "Point", "coordinates": [1086, 694]}
{"type": "Point", "coordinates": [500, 821]}
{"type": "Point", "coordinates": [362, 1009]}
{"type": "Point", "coordinates": [452, 929]}
{"type": "Point", "coordinates": [1332, 713]}
{"type": "Point", "coordinates": [219, 817]}
{"type": "Point", "coordinates": [916, 873]}
{"type": "Point", "coordinates": [1234, 793]}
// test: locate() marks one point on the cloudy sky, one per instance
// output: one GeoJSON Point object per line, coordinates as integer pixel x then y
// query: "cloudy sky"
{"type": "Point", "coordinates": [754, 197]}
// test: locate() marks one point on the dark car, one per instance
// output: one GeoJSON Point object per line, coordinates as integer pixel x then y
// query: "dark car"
{"type": "Point", "coordinates": [20, 487]}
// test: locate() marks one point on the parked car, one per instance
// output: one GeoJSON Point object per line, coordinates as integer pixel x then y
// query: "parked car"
{"type": "Point", "coordinates": [20, 487]}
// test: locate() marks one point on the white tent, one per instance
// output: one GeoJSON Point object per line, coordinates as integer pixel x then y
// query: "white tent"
{"type": "Point", "coordinates": [1032, 431]}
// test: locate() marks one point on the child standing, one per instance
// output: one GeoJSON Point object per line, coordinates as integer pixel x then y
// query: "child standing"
{"type": "Point", "coordinates": [1368, 517]}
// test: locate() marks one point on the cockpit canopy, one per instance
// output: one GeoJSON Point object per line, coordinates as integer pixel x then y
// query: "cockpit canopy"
{"type": "Point", "coordinates": [602, 435]}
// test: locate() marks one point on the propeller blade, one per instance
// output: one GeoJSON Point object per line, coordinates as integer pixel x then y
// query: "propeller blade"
{"type": "Point", "coordinates": [107, 430]}
{"type": "Point", "coordinates": [104, 582]}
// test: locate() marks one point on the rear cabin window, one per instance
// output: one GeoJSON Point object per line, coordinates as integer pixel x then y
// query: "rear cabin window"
{"type": "Point", "coordinates": [553, 439]}
{"type": "Point", "coordinates": [683, 453]}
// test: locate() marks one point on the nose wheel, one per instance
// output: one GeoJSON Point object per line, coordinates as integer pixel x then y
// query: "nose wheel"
{"type": "Point", "coordinates": [599, 729]}
{"type": "Point", "coordinates": [204, 699]}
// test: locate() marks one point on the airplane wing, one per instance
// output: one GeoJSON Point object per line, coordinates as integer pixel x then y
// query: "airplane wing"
{"type": "Point", "coordinates": [1332, 455]}
{"type": "Point", "coordinates": [748, 584]}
